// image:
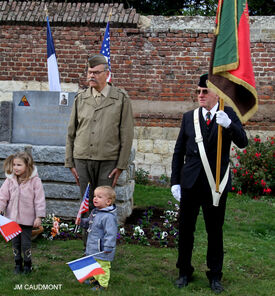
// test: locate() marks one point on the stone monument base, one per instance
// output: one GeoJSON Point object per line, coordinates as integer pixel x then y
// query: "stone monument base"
{"type": "Point", "coordinates": [62, 194]}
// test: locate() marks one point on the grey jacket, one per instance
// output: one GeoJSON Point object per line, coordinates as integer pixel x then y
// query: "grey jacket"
{"type": "Point", "coordinates": [102, 232]}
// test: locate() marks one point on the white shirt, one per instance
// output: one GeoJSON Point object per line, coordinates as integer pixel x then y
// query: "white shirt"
{"type": "Point", "coordinates": [212, 111]}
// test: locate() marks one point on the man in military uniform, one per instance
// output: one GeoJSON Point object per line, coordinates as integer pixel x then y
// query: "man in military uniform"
{"type": "Point", "coordinates": [100, 131]}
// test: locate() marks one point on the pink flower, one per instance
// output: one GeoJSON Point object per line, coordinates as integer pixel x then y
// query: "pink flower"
{"type": "Point", "coordinates": [245, 151]}
{"type": "Point", "coordinates": [238, 157]}
{"type": "Point", "coordinates": [235, 171]}
{"type": "Point", "coordinates": [257, 154]}
{"type": "Point", "coordinates": [239, 192]}
{"type": "Point", "coordinates": [233, 188]}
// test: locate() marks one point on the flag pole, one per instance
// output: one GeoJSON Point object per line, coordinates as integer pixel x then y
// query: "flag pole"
{"type": "Point", "coordinates": [219, 150]}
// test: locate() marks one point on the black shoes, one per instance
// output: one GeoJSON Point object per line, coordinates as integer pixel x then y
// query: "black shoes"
{"type": "Point", "coordinates": [18, 267]}
{"type": "Point", "coordinates": [216, 286]}
{"type": "Point", "coordinates": [182, 281]}
{"type": "Point", "coordinates": [27, 267]}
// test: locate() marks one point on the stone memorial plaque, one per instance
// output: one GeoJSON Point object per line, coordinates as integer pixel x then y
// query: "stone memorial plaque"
{"type": "Point", "coordinates": [41, 117]}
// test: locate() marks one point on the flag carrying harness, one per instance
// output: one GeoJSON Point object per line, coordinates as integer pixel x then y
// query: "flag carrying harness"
{"type": "Point", "coordinates": [199, 140]}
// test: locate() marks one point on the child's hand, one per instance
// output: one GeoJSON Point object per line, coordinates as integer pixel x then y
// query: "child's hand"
{"type": "Point", "coordinates": [77, 221]}
{"type": "Point", "coordinates": [37, 222]}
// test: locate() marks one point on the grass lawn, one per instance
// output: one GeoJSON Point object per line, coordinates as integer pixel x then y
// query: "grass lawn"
{"type": "Point", "coordinates": [249, 243]}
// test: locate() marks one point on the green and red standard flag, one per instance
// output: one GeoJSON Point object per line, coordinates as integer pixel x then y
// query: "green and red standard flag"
{"type": "Point", "coordinates": [231, 72]}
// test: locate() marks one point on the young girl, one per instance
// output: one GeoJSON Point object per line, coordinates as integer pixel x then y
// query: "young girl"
{"type": "Point", "coordinates": [22, 199]}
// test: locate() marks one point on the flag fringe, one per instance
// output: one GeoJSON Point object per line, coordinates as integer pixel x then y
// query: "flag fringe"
{"type": "Point", "coordinates": [243, 118]}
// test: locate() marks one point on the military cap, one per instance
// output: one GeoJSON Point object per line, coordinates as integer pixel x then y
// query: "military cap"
{"type": "Point", "coordinates": [203, 79]}
{"type": "Point", "coordinates": [97, 59]}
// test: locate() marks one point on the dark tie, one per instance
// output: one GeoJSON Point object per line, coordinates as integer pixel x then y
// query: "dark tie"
{"type": "Point", "coordinates": [208, 118]}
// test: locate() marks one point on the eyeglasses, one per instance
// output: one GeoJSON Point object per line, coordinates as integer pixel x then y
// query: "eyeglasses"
{"type": "Point", "coordinates": [95, 73]}
{"type": "Point", "coordinates": [203, 91]}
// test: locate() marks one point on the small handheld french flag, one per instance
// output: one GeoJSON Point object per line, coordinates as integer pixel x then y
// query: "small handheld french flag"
{"type": "Point", "coordinates": [8, 228]}
{"type": "Point", "coordinates": [85, 268]}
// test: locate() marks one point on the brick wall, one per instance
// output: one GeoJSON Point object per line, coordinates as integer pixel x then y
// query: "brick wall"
{"type": "Point", "coordinates": [158, 63]}
{"type": "Point", "coordinates": [154, 65]}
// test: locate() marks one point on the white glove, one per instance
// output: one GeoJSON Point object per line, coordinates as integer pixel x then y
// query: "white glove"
{"type": "Point", "coordinates": [223, 119]}
{"type": "Point", "coordinates": [176, 191]}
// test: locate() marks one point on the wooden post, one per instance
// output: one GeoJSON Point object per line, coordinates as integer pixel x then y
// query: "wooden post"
{"type": "Point", "coordinates": [219, 150]}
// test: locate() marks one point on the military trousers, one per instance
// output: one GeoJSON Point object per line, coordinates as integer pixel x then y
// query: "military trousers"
{"type": "Point", "coordinates": [95, 172]}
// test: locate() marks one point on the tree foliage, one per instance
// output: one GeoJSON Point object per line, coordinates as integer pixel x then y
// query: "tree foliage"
{"type": "Point", "coordinates": [187, 7]}
{"type": "Point", "coordinates": [184, 7]}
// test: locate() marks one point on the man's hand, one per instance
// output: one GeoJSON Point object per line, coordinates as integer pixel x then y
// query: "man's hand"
{"type": "Point", "coordinates": [77, 221]}
{"type": "Point", "coordinates": [223, 119]}
{"type": "Point", "coordinates": [176, 191]}
{"type": "Point", "coordinates": [117, 173]}
{"type": "Point", "coordinates": [75, 174]}
{"type": "Point", "coordinates": [37, 222]}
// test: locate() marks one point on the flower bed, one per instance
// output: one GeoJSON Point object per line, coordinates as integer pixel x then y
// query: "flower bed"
{"type": "Point", "coordinates": [151, 227]}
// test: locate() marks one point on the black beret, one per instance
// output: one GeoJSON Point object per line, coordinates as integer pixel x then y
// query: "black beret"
{"type": "Point", "coordinates": [97, 59]}
{"type": "Point", "coordinates": [203, 79]}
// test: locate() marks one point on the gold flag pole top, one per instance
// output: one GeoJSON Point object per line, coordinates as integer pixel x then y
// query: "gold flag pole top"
{"type": "Point", "coordinates": [110, 15]}
{"type": "Point", "coordinates": [46, 11]}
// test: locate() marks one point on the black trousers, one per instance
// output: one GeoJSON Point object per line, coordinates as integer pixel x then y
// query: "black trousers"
{"type": "Point", "coordinates": [192, 199]}
{"type": "Point", "coordinates": [22, 244]}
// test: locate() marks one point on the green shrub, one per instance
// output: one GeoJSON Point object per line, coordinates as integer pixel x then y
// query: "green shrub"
{"type": "Point", "coordinates": [253, 168]}
{"type": "Point", "coordinates": [142, 177]}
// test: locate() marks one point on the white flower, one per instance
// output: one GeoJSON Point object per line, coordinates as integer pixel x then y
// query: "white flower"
{"type": "Point", "coordinates": [122, 230]}
{"type": "Point", "coordinates": [138, 231]}
{"type": "Point", "coordinates": [164, 234]}
{"type": "Point", "coordinates": [137, 228]}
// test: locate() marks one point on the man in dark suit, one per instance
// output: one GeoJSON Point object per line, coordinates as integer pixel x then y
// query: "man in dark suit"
{"type": "Point", "coordinates": [190, 183]}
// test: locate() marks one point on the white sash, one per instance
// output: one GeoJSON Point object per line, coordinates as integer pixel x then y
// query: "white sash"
{"type": "Point", "coordinates": [199, 140]}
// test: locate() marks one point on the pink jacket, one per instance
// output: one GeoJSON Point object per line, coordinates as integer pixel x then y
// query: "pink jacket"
{"type": "Point", "coordinates": [25, 202]}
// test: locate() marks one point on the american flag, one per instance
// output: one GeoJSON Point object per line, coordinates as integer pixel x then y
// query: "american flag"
{"type": "Point", "coordinates": [105, 49]}
{"type": "Point", "coordinates": [84, 207]}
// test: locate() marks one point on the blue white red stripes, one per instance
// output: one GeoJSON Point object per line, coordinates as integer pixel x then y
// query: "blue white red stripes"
{"type": "Point", "coordinates": [53, 74]}
{"type": "Point", "coordinates": [85, 268]}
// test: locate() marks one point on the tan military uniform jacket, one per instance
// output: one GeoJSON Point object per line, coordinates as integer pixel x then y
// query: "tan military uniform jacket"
{"type": "Point", "coordinates": [100, 132]}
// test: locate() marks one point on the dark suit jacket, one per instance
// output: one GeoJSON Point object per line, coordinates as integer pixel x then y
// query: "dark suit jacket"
{"type": "Point", "coordinates": [187, 164]}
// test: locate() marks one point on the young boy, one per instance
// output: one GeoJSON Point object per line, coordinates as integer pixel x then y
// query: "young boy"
{"type": "Point", "coordinates": [102, 233]}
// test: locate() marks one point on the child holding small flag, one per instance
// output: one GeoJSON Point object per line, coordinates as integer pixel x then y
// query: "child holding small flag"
{"type": "Point", "coordinates": [102, 233]}
{"type": "Point", "coordinates": [22, 199]}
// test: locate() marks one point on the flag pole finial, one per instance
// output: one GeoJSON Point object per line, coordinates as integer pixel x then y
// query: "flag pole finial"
{"type": "Point", "coordinates": [46, 11]}
{"type": "Point", "coordinates": [110, 14]}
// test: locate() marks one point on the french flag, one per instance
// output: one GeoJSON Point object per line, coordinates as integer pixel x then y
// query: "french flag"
{"type": "Point", "coordinates": [53, 74]}
{"type": "Point", "coordinates": [8, 228]}
{"type": "Point", "coordinates": [85, 268]}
